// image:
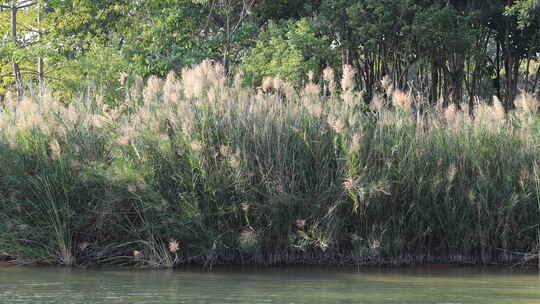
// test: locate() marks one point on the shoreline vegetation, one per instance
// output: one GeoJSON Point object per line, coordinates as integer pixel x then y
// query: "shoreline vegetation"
{"type": "Point", "coordinates": [200, 170]}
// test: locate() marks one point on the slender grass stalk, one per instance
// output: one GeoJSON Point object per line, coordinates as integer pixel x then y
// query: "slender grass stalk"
{"type": "Point", "coordinates": [280, 175]}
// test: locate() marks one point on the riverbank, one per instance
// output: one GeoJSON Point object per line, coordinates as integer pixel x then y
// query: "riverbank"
{"type": "Point", "coordinates": [522, 261]}
{"type": "Point", "coordinates": [197, 171]}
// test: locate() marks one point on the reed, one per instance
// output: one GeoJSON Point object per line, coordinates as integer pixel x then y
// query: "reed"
{"type": "Point", "coordinates": [280, 175]}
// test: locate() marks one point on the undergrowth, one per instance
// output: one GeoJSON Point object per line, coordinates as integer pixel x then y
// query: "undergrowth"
{"type": "Point", "coordinates": [200, 170]}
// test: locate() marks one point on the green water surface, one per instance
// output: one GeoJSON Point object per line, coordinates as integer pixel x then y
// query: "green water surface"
{"type": "Point", "coordinates": [298, 285]}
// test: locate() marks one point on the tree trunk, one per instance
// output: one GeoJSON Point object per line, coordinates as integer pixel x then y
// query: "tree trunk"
{"type": "Point", "coordinates": [434, 90]}
{"type": "Point", "coordinates": [16, 69]}
{"type": "Point", "coordinates": [527, 73]}
{"type": "Point", "coordinates": [40, 65]}
{"type": "Point", "coordinates": [227, 46]}
{"type": "Point", "coordinates": [512, 77]}
{"type": "Point", "coordinates": [536, 80]}
{"type": "Point", "coordinates": [456, 71]}
{"type": "Point", "coordinates": [498, 76]}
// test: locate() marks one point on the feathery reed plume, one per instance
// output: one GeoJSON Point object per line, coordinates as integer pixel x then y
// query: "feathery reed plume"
{"type": "Point", "coordinates": [311, 76]}
{"type": "Point", "coordinates": [376, 244]}
{"type": "Point", "coordinates": [259, 97]}
{"type": "Point", "coordinates": [498, 113]}
{"type": "Point", "coordinates": [225, 150]}
{"type": "Point", "coordinates": [170, 93]}
{"type": "Point", "coordinates": [278, 84]}
{"type": "Point", "coordinates": [350, 184]}
{"type": "Point", "coordinates": [234, 160]}
{"type": "Point", "coordinates": [174, 246]}
{"type": "Point", "coordinates": [97, 121]}
{"type": "Point", "coordinates": [347, 81]}
{"type": "Point", "coordinates": [376, 104]}
{"type": "Point", "coordinates": [123, 141]}
{"type": "Point", "coordinates": [238, 81]}
{"type": "Point", "coordinates": [193, 81]}
{"type": "Point", "coordinates": [216, 74]}
{"type": "Point", "coordinates": [122, 78]}
{"type": "Point", "coordinates": [336, 124]}
{"type": "Point", "coordinates": [329, 78]}
{"type": "Point", "coordinates": [288, 90]}
{"type": "Point", "coordinates": [387, 85]}
{"type": "Point", "coordinates": [466, 110]}
{"type": "Point", "coordinates": [450, 113]}
{"type": "Point", "coordinates": [526, 103]}
{"type": "Point", "coordinates": [355, 143]}
{"type": "Point", "coordinates": [137, 88]}
{"type": "Point", "coordinates": [311, 90]}
{"type": "Point", "coordinates": [152, 89]}
{"type": "Point", "coordinates": [352, 121]}
{"type": "Point", "coordinates": [487, 116]}
{"type": "Point", "coordinates": [196, 146]}
{"type": "Point", "coordinates": [313, 108]}
{"type": "Point", "coordinates": [55, 149]}
{"type": "Point", "coordinates": [348, 97]}
{"type": "Point", "coordinates": [268, 84]}
{"type": "Point", "coordinates": [9, 97]}
{"type": "Point", "coordinates": [198, 79]}
{"type": "Point", "coordinates": [402, 100]}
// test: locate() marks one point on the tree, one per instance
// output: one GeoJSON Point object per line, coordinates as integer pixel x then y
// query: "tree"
{"type": "Point", "coordinates": [445, 34]}
{"type": "Point", "coordinates": [183, 32]}
{"type": "Point", "coordinates": [289, 51]}
{"type": "Point", "coordinates": [515, 41]}
{"type": "Point", "coordinates": [526, 13]}
{"type": "Point", "coordinates": [15, 7]}
{"type": "Point", "coordinates": [380, 41]}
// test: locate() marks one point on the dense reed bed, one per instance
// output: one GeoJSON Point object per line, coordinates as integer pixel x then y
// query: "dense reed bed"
{"type": "Point", "coordinates": [201, 170]}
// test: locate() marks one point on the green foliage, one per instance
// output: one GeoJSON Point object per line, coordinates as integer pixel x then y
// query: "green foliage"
{"type": "Point", "coordinates": [527, 12]}
{"type": "Point", "coordinates": [83, 21]}
{"type": "Point", "coordinates": [170, 41]}
{"type": "Point", "coordinates": [289, 51]}
{"type": "Point", "coordinates": [439, 48]}
{"type": "Point", "coordinates": [443, 28]}
{"type": "Point", "coordinates": [99, 69]}
{"type": "Point", "coordinates": [284, 9]}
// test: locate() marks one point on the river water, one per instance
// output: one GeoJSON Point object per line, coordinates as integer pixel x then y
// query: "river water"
{"type": "Point", "coordinates": [298, 285]}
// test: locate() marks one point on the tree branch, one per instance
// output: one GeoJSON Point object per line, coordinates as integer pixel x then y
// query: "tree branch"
{"type": "Point", "coordinates": [22, 73]}
{"type": "Point", "coordinates": [23, 5]}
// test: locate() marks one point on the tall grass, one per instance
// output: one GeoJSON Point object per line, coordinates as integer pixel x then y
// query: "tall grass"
{"type": "Point", "coordinates": [202, 170]}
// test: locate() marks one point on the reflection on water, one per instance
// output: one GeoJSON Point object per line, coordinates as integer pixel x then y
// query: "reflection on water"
{"type": "Point", "coordinates": [275, 285]}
